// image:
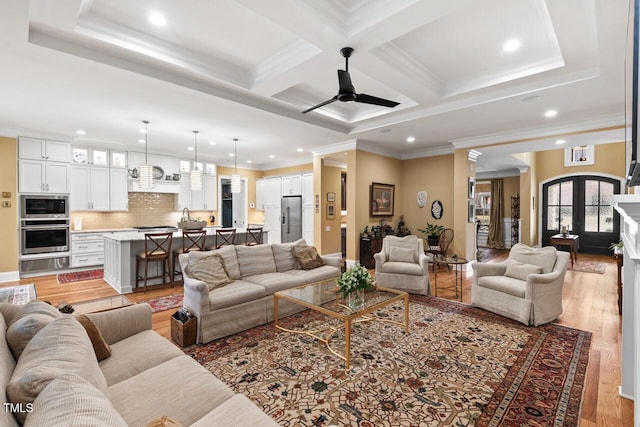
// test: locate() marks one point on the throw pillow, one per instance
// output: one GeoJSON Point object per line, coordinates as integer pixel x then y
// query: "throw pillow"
{"type": "Point", "coordinates": [283, 256]}
{"type": "Point", "coordinates": [544, 257]}
{"type": "Point", "coordinates": [31, 318]}
{"type": "Point", "coordinates": [100, 346]}
{"type": "Point", "coordinates": [397, 254]}
{"type": "Point", "coordinates": [209, 269]}
{"type": "Point", "coordinates": [72, 401]}
{"type": "Point", "coordinates": [307, 257]}
{"type": "Point", "coordinates": [62, 347]}
{"type": "Point", "coordinates": [256, 259]}
{"type": "Point", "coordinates": [520, 270]}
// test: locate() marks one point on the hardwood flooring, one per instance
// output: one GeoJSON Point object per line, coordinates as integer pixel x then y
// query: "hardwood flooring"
{"type": "Point", "coordinates": [589, 299]}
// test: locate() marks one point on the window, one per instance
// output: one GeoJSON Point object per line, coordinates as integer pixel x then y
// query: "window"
{"type": "Point", "coordinates": [210, 168]}
{"type": "Point", "coordinates": [560, 206]}
{"type": "Point", "coordinates": [579, 156]}
{"type": "Point", "coordinates": [185, 166]}
{"type": "Point", "coordinates": [598, 215]}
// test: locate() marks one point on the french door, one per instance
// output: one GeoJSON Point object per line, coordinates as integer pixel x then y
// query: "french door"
{"type": "Point", "coordinates": [581, 203]}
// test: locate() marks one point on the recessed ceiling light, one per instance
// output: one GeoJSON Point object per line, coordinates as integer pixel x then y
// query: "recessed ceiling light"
{"type": "Point", "coordinates": [511, 45]}
{"type": "Point", "coordinates": [231, 155]}
{"type": "Point", "coordinates": [190, 148]}
{"type": "Point", "coordinates": [560, 141]}
{"type": "Point", "coordinates": [551, 113]}
{"type": "Point", "coordinates": [411, 139]}
{"type": "Point", "coordinates": [81, 132]}
{"type": "Point", "coordinates": [141, 141]}
{"type": "Point", "coordinates": [248, 161]}
{"type": "Point", "coordinates": [143, 131]}
{"type": "Point", "coordinates": [299, 150]}
{"type": "Point", "coordinates": [212, 143]}
{"type": "Point", "coordinates": [157, 19]}
{"type": "Point", "coordinates": [272, 156]}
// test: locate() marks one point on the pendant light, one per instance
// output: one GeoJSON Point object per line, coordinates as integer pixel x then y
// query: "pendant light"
{"type": "Point", "coordinates": [196, 174]}
{"type": "Point", "coordinates": [146, 170]}
{"type": "Point", "coordinates": [236, 186]}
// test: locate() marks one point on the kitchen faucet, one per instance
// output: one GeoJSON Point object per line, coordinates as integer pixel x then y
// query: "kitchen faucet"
{"type": "Point", "coordinates": [188, 217]}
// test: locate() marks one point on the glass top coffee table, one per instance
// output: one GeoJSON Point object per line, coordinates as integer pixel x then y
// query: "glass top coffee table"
{"type": "Point", "coordinates": [322, 297]}
{"type": "Point", "coordinates": [101, 304]}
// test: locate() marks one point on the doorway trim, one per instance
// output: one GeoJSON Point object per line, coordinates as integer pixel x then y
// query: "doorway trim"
{"type": "Point", "coordinates": [245, 192]}
{"type": "Point", "coordinates": [567, 175]}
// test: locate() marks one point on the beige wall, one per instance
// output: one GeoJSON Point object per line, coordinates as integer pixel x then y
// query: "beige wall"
{"type": "Point", "coordinates": [330, 183]}
{"type": "Point", "coordinates": [609, 159]}
{"type": "Point", "coordinates": [9, 215]}
{"type": "Point", "coordinates": [433, 175]}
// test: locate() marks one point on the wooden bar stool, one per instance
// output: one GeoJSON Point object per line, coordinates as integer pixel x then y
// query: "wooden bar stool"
{"type": "Point", "coordinates": [157, 248]}
{"type": "Point", "coordinates": [191, 241]}
{"type": "Point", "coordinates": [224, 237]}
{"type": "Point", "coordinates": [253, 236]}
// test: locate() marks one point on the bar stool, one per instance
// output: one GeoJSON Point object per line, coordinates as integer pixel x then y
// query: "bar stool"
{"type": "Point", "coordinates": [224, 237]}
{"type": "Point", "coordinates": [193, 240]}
{"type": "Point", "coordinates": [253, 236]}
{"type": "Point", "coordinates": [157, 247]}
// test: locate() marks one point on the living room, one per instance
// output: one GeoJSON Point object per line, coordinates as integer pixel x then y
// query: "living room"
{"type": "Point", "coordinates": [485, 126]}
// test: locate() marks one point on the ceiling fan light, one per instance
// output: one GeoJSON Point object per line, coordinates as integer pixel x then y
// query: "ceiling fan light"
{"type": "Point", "coordinates": [236, 183]}
{"type": "Point", "coordinates": [196, 180]}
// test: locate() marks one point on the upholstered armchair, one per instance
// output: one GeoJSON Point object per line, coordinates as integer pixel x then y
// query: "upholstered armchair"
{"type": "Point", "coordinates": [527, 287]}
{"type": "Point", "coordinates": [403, 265]}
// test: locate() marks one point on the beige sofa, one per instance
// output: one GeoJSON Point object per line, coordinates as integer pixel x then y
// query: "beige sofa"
{"type": "Point", "coordinates": [256, 273]}
{"type": "Point", "coordinates": [527, 287]}
{"type": "Point", "coordinates": [57, 380]}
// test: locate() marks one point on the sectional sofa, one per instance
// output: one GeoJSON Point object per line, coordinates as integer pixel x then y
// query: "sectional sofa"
{"type": "Point", "coordinates": [254, 274]}
{"type": "Point", "coordinates": [51, 375]}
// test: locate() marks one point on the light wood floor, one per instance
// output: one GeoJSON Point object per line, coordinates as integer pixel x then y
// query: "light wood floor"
{"type": "Point", "coordinates": [590, 303]}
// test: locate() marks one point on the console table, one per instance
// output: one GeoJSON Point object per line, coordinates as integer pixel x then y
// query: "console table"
{"type": "Point", "coordinates": [570, 240]}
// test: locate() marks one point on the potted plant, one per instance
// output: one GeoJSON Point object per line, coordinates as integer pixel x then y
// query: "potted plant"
{"type": "Point", "coordinates": [352, 284]}
{"type": "Point", "coordinates": [433, 232]}
{"type": "Point", "coordinates": [617, 247]}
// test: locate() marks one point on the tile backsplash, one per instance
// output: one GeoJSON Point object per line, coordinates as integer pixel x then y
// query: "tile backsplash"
{"type": "Point", "coordinates": [145, 209]}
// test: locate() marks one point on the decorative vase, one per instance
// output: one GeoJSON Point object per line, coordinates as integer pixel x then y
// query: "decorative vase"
{"type": "Point", "coordinates": [355, 300]}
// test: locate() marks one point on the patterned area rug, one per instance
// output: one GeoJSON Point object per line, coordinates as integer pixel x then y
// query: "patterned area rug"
{"type": "Point", "coordinates": [79, 276]}
{"type": "Point", "coordinates": [18, 295]}
{"type": "Point", "coordinates": [588, 267]}
{"type": "Point", "coordinates": [164, 303]}
{"type": "Point", "coordinates": [459, 366]}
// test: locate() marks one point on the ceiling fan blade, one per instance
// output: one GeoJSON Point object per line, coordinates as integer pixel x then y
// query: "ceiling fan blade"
{"type": "Point", "coordinates": [344, 80]}
{"type": "Point", "coordinates": [322, 104]}
{"type": "Point", "coordinates": [368, 99]}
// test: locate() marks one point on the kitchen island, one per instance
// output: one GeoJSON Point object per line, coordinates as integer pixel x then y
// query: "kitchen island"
{"type": "Point", "coordinates": [120, 250]}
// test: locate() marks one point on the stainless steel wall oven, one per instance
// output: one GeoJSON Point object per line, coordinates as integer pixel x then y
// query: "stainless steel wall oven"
{"type": "Point", "coordinates": [44, 236]}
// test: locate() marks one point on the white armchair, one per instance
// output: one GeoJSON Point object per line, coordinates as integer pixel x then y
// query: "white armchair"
{"type": "Point", "coordinates": [527, 287]}
{"type": "Point", "coordinates": [403, 265]}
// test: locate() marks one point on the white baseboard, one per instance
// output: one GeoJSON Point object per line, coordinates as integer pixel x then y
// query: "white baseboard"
{"type": "Point", "coordinates": [9, 276]}
{"type": "Point", "coordinates": [623, 394]}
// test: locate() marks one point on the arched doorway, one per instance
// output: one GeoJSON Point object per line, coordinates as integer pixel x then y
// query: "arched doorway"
{"type": "Point", "coordinates": [581, 203]}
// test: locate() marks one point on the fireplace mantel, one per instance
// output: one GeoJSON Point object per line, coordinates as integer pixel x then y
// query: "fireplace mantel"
{"type": "Point", "coordinates": [628, 206]}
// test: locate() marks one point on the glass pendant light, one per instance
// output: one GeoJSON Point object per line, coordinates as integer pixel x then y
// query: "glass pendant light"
{"type": "Point", "coordinates": [146, 170]}
{"type": "Point", "coordinates": [236, 186]}
{"type": "Point", "coordinates": [196, 174]}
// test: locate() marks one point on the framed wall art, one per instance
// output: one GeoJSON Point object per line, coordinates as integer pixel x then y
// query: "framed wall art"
{"type": "Point", "coordinates": [436, 209]}
{"type": "Point", "coordinates": [331, 211]}
{"type": "Point", "coordinates": [471, 212]}
{"type": "Point", "coordinates": [382, 199]}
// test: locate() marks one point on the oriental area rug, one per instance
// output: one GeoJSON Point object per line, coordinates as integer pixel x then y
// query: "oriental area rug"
{"type": "Point", "coordinates": [459, 366]}
{"type": "Point", "coordinates": [164, 303]}
{"type": "Point", "coordinates": [588, 267]}
{"type": "Point", "coordinates": [79, 276]}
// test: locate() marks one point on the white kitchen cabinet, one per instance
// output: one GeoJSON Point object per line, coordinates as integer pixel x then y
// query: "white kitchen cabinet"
{"type": "Point", "coordinates": [307, 189]}
{"type": "Point", "coordinates": [184, 195]}
{"type": "Point", "coordinates": [87, 249]}
{"type": "Point", "coordinates": [205, 200]}
{"type": "Point", "coordinates": [118, 191]}
{"type": "Point", "coordinates": [41, 176]}
{"type": "Point", "coordinates": [260, 189]}
{"type": "Point", "coordinates": [40, 149]}
{"type": "Point", "coordinates": [292, 185]}
{"type": "Point", "coordinates": [89, 188]}
{"type": "Point", "coordinates": [307, 208]}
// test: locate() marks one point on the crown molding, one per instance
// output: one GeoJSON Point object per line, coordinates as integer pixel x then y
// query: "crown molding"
{"type": "Point", "coordinates": [593, 124]}
{"type": "Point", "coordinates": [429, 152]}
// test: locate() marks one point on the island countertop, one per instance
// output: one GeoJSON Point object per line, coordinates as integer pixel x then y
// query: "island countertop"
{"type": "Point", "coordinates": [124, 236]}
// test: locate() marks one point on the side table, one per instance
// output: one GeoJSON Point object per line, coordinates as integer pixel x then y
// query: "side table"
{"type": "Point", "coordinates": [457, 264]}
{"type": "Point", "coordinates": [570, 240]}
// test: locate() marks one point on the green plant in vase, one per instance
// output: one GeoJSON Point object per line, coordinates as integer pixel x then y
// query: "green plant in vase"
{"type": "Point", "coordinates": [432, 232]}
{"type": "Point", "coordinates": [353, 283]}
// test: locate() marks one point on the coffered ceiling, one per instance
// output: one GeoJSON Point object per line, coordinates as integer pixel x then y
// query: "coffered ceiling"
{"type": "Point", "coordinates": [247, 68]}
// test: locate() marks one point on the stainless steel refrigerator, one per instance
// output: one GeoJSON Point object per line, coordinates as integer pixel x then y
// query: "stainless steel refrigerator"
{"type": "Point", "coordinates": [291, 221]}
